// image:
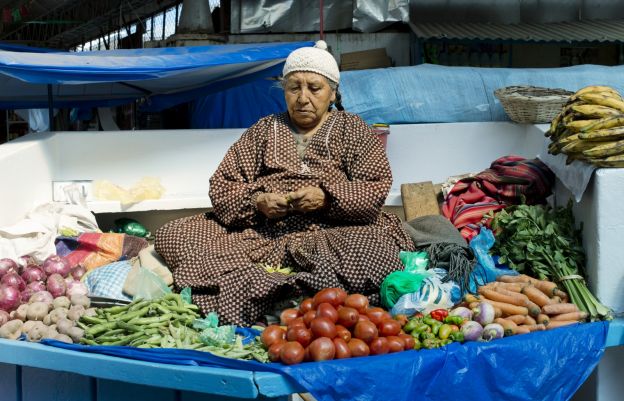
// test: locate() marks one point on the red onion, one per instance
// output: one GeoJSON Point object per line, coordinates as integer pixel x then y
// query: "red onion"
{"type": "Point", "coordinates": [9, 298]}
{"type": "Point", "coordinates": [78, 271]}
{"type": "Point", "coordinates": [14, 280]}
{"type": "Point", "coordinates": [32, 288]}
{"type": "Point", "coordinates": [56, 264]}
{"type": "Point", "coordinates": [26, 260]}
{"type": "Point", "coordinates": [77, 288]}
{"type": "Point", "coordinates": [4, 317]}
{"type": "Point", "coordinates": [33, 273]}
{"type": "Point", "coordinates": [7, 265]}
{"type": "Point", "coordinates": [56, 285]}
{"type": "Point", "coordinates": [41, 296]}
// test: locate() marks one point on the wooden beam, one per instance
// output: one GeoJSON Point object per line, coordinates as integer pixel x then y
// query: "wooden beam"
{"type": "Point", "coordinates": [419, 199]}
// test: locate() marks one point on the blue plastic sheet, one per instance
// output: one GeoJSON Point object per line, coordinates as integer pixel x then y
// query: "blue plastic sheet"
{"type": "Point", "coordinates": [432, 93]}
{"type": "Point", "coordinates": [162, 76]}
{"type": "Point", "coordinates": [549, 365]}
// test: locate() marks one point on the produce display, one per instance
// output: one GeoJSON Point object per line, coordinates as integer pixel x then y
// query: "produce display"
{"type": "Point", "coordinates": [334, 325]}
{"type": "Point", "coordinates": [545, 243]}
{"type": "Point", "coordinates": [522, 304]}
{"type": "Point", "coordinates": [590, 127]}
{"type": "Point", "coordinates": [42, 301]}
{"type": "Point", "coordinates": [161, 323]}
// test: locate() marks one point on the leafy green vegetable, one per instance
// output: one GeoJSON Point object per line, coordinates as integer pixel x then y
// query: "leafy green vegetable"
{"type": "Point", "coordinates": [544, 243]}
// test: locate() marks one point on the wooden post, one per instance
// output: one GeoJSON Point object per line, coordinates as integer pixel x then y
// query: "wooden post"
{"type": "Point", "coordinates": [419, 199]}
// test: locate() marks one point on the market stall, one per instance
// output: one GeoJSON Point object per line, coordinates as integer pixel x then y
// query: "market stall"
{"type": "Point", "coordinates": [58, 156]}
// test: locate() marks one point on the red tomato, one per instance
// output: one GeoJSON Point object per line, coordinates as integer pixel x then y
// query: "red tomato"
{"type": "Point", "coordinates": [357, 301]}
{"type": "Point", "coordinates": [327, 310]}
{"type": "Point", "coordinates": [365, 331]}
{"type": "Point", "coordinates": [308, 317]}
{"type": "Point", "coordinates": [322, 349]}
{"type": "Point", "coordinates": [348, 316]}
{"type": "Point", "coordinates": [358, 348]}
{"type": "Point", "coordinates": [396, 344]}
{"type": "Point", "coordinates": [402, 319]}
{"type": "Point", "coordinates": [288, 315]}
{"type": "Point", "coordinates": [300, 334]}
{"type": "Point", "coordinates": [376, 315]}
{"type": "Point", "coordinates": [329, 295]}
{"type": "Point", "coordinates": [323, 327]}
{"type": "Point", "coordinates": [305, 306]}
{"type": "Point", "coordinates": [342, 349]}
{"type": "Point", "coordinates": [271, 334]}
{"type": "Point", "coordinates": [389, 328]}
{"type": "Point", "coordinates": [409, 341]}
{"type": "Point", "coordinates": [379, 346]}
{"type": "Point", "coordinates": [292, 353]}
{"type": "Point", "coordinates": [297, 322]}
{"type": "Point", "coordinates": [275, 349]}
{"type": "Point", "coordinates": [343, 332]}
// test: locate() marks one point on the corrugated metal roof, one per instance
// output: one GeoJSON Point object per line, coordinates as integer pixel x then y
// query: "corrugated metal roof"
{"type": "Point", "coordinates": [576, 31]}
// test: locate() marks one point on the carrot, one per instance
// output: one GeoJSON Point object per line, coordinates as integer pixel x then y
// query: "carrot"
{"type": "Point", "coordinates": [543, 319]}
{"type": "Point", "coordinates": [512, 279]}
{"type": "Point", "coordinates": [515, 299]}
{"type": "Point", "coordinates": [522, 329]}
{"type": "Point", "coordinates": [471, 298]}
{"type": "Point", "coordinates": [473, 305]}
{"type": "Point", "coordinates": [529, 321]}
{"type": "Point", "coordinates": [508, 326]}
{"type": "Point", "coordinates": [569, 316]}
{"type": "Point", "coordinates": [517, 319]}
{"type": "Point", "coordinates": [536, 295]}
{"type": "Point", "coordinates": [558, 309]}
{"type": "Point", "coordinates": [547, 287]}
{"type": "Point", "coordinates": [556, 300]}
{"type": "Point", "coordinates": [561, 323]}
{"type": "Point", "coordinates": [513, 287]}
{"type": "Point", "coordinates": [561, 294]}
{"type": "Point", "coordinates": [508, 309]}
{"type": "Point", "coordinates": [535, 327]}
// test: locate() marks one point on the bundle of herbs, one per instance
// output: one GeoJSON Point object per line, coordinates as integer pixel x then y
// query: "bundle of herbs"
{"type": "Point", "coordinates": [543, 242]}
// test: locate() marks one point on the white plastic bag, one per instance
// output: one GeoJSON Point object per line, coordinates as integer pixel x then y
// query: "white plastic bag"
{"type": "Point", "coordinates": [433, 294]}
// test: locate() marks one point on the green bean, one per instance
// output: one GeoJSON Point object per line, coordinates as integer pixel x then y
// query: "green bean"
{"type": "Point", "coordinates": [155, 319]}
{"type": "Point", "coordinates": [99, 328]}
{"type": "Point", "coordinates": [124, 340]}
{"type": "Point", "coordinates": [128, 326]}
{"type": "Point", "coordinates": [139, 305]}
{"type": "Point", "coordinates": [117, 309]}
{"type": "Point", "coordinates": [134, 314]}
{"type": "Point", "coordinates": [92, 319]}
{"type": "Point", "coordinates": [88, 341]}
{"type": "Point", "coordinates": [111, 333]}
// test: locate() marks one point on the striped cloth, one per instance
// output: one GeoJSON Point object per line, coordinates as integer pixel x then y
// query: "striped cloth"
{"type": "Point", "coordinates": [510, 180]}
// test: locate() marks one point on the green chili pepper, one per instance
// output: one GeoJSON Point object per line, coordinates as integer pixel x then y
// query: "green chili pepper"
{"type": "Point", "coordinates": [417, 344]}
{"type": "Point", "coordinates": [457, 336]}
{"type": "Point", "coordinates": [435, 329]}
{"type": "Point", "coordinates": [457, 320]}
{"type": "Point", "coordinates": [426, 336]}
{"type": "Point", "coordinates": [444, 332]}
{"type": "Point", "coordinates": [429, 320]}
{"type": "Point", "coordinates": [410, 325]}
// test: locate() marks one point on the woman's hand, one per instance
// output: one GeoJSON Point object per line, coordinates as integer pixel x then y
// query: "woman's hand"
{"type": "Point", "coordinates": [272, 205]}
{"type": "Point", "coordinates": [307, 199]}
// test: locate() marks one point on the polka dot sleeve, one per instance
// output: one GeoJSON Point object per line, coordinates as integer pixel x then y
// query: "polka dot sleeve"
{"type": "Point", "coordinates": [233, 187]}
{"type": "Point", "coordinates": [360, 198]}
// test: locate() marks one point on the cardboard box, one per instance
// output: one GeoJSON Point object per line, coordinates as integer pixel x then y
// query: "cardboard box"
{"type": "Point", "coordinates": [366, 59]}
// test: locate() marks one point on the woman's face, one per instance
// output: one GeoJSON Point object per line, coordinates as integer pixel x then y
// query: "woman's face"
{"type": "Point", "coordinates": [308, 96]}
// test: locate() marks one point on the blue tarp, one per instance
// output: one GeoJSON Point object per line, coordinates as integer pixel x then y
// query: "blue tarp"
{"type": "Point", "coordinates": [408, 95]}
{"type": "Point", "coordinates": [549, 365]}
{"type": "Point", "coordinates": [162, 76]}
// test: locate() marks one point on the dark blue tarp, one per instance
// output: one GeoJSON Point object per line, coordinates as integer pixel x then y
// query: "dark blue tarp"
{"type": "Point", "coordinates": [162, 76]}
{"type": "Point", "coordinates": [549, 365]}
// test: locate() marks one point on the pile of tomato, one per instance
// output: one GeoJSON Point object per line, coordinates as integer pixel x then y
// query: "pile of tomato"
{"type": "Point", "coordinates": [335, 325]}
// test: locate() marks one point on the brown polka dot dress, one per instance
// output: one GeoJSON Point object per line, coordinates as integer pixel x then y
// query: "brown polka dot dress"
{"type": "Point", "coordinates": [352, 244]}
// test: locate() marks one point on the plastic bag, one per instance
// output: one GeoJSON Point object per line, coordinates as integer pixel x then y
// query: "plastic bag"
{"type": "Point", "coordinates": [407, 281]}
{"type": "Point", "coordinates": [129, 226]}
{"type": "Point", "coordinates": [149, 285]}
{"type": "Point", "coordinates": [145, 188]}
{"type": "Point", "coordinates": [433, 294]}
{"type": "Point", "coordinates": [213, 334]}
{"type": "Point", "coordinates": [485, 270]}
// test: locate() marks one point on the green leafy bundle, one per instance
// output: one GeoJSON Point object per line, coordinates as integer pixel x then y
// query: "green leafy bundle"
{"type": "Point", "coordinates": [544, 243]}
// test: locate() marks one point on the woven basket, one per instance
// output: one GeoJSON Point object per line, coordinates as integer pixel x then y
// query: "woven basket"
{"type": "Point", "coordinates": [531, 104]}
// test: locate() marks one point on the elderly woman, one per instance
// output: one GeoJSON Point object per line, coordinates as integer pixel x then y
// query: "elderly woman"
{"type": "Point", "coordinates": [302, 189]}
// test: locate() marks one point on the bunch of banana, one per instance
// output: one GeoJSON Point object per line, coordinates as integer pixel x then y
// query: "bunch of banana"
{"type": "Point", "coordinates": [590, 127]}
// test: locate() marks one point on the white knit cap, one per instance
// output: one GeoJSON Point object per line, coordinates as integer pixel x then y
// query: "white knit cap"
{"type": "Point", "coordinates": [313, 59]}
